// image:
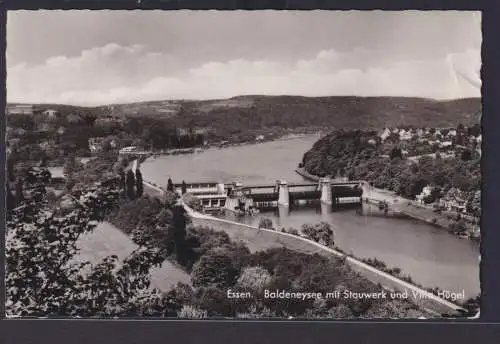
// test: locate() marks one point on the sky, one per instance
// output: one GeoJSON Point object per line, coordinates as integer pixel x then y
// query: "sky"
{"type": "Point", "coordinates": [106, 57]}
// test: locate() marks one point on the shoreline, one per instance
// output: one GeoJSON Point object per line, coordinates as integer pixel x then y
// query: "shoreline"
{"type": "Point", "coordinates": [399, 206]}
{"type": "Point", "coordinates": [218, 146]}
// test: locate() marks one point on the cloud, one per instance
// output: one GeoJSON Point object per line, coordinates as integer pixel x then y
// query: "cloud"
{"type": "Point", "coordinates": [115, 74]}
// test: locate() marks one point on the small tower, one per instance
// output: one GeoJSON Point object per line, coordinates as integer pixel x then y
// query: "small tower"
{"type": "Point", "coordinates": [325, 185]}
{"type": "Point", "coordinates": [284, 195]}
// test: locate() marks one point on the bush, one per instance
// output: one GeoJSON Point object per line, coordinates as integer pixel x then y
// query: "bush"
{"type": "Point", "coordinates": [193, 202]}
{"type": "Point", "coordinates": [254, 278]}
{"type": "Point", "coordinates": [266, 223]}
{"type": "Point", "coordinates": [216, 269]}
{"type": "Point", "coordinates": [190, 312]}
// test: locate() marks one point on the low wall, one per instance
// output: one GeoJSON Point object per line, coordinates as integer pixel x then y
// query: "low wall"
{"type": "Point", "coordinates": [261, 239]}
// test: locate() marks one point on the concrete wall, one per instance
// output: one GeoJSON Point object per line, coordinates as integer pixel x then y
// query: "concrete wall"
{"type": "Point", "coordinates": [262, 239]}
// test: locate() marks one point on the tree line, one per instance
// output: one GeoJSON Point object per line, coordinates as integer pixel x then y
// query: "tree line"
{"type": "Point", "coordinates": [351, 154]}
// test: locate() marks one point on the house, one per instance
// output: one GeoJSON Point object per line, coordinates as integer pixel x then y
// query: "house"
{"type": "Point", "coordinates": [405, 135]}
{"type": "Point", "coordinates": [20, 109]}
{"type": "Point", "coordinates": [445, 144]}
{"type": "Point", "coordinates": [395, 130]}
{"type": "Point", "coordinates": [404, 152]}
{"type": "Point", "coordinates": [452, 133]}
{"type": "Point", "coordinates": [426, 191]}
{"type": "Point", "coordinates": [385, 134]}
{"type": "Point", "coordinates": [182, 131]}
{"type": "Point", "coordinates": [61, 130]}
{"type": "Point", "coordinates": [372, 142]}
{"type": "Point", "coordinates": [96, 144]}
{"type": "Point", "coordinates": [50, 113]}
{"type": "Point", "coordinates": [455, 200]}
{"type": "Point", "coordinates": [259, 138]}
{"type": "Point", "coordinates": [420, 132]}
{"type": "Point", "coordinates": [45, 127]}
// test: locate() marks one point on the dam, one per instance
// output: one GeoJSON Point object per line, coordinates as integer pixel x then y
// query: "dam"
{"type": "Point", "coordinates": [245, 198]}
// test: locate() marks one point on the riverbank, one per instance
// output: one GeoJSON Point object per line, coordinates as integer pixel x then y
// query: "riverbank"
{"type": "Point", "coordinates": [260, 239]}
{"type": "Point", "coordinates": [400, 207]}
{"type": "Point", "coordinates": [228, 144]}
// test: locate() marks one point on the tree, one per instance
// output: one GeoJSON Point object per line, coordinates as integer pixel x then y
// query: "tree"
{"type": "Point", "coordinates": [265, 223]}
{"type": "Point", "coordinates": [19, 192]}
{"type": "Point", "coordinates": [44, 279]}
{"type": "Point", "coordinates": [72, 166]}
{"type": "Point", "coordinates": [10, 170]}
{"type": "Point", "coordinates": [123, 182]}
{"type": "Point", "coordinates": [11, 199]}
{"type": "Point", "coordinates": [466, 155]}
{"type": "Point", "coordinates": [396, 153]}
{"type": "Point", "coordinates": [321, 233]}
{"type": "Point", "coordinates": [170, 185]}
{"type": "Point", "coordinates": [178, 226]}
{"type": "Point", "coordinates": [130, 182]}
{"type": "Point", "coordinates": [139, 183]}
{"type": "Point", "coordinates": [183, 187]}
{"type": "Point", "coordinates": [215, 269]}
{"type": "Point", "coordinates": [254, 278]}
{"type": "Point", "coordinates": [460, 226]}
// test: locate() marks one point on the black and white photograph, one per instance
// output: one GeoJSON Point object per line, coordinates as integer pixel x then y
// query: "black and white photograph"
{"type": "Point", "coordinates": [245, 165]}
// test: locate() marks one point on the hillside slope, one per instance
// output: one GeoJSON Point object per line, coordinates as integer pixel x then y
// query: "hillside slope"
{"type": "Point", "coordinates": [258, 112]}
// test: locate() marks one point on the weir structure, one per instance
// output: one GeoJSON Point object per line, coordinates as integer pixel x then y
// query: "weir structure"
{"type": "Point", "coordinates": [247, 198]}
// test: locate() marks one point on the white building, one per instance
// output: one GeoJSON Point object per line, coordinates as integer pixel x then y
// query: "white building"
{"type": "Point", "coordinates": [405, 135]}
{"type": "Point", "coordinates": [385, 134]}
{"type": "Point", "coordinates": [452, 133]}
{"type": "Point", "coordinates": [445, 144]}
{"type": "Point", "coordinates": [50, 113]}
{"type": "Point", "coordinates": [426, 191]}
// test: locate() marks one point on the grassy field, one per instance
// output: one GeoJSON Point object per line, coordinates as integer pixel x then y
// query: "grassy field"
{"type": "Point", "coordinates": [107, 240]}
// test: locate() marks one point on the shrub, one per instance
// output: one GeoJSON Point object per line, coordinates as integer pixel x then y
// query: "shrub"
{"type": "Point", "coordinates": [265, 223]}
{"type": "Point", "coordinates": [190, 312]}
{"type": "Point", "coordinates": [215, 268]}
{"type": "Point", "coordinates": [254, 278]}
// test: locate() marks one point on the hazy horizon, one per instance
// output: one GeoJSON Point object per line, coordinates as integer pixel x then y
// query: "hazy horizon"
{"type": "Point", "coordinates": [246, 95]}
{"type": "Point", "coordinates": [95, 58]}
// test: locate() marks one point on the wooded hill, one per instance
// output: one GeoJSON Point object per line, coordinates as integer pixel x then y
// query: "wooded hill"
{"type": "Point", "coordinates": [260, 112]}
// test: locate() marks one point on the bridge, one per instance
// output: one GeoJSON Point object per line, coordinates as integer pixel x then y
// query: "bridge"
{"type": "Point", "coordinates": [238, 197]}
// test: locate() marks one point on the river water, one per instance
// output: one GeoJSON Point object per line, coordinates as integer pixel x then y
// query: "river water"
{"type": "Point", "coordinates": [431, 256]}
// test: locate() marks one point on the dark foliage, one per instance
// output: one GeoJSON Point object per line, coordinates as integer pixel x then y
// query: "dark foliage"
{"type": "Point", "coordinates": [170, 185]}
{"type": "Point", "coordinates": [139, 186]}
{"type": "Point", "coordinates": [130, 182]}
